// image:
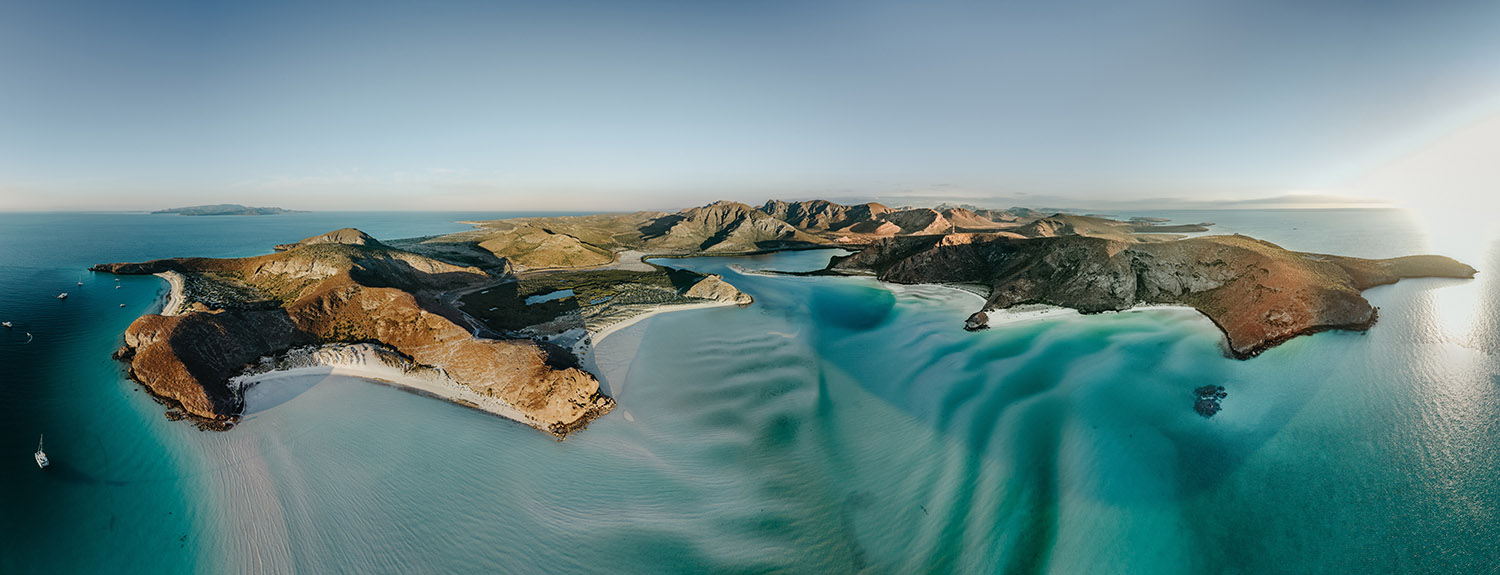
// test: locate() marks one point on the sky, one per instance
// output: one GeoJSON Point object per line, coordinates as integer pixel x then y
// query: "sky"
{"type": "Point", "coordinates": [613, 105]}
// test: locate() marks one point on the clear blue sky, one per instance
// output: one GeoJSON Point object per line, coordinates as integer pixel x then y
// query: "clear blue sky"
{"type": "Point", "coordinates": [607, 105]}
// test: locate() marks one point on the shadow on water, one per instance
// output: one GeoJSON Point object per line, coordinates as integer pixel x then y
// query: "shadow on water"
{"type": "Point", "coordinates": [267, 395]}
{"type": "Point", "coordinates": [68, 473]}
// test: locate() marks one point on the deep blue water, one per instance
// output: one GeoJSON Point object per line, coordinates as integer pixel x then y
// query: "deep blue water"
{"type": "Point", "coordinates": [836, 425]}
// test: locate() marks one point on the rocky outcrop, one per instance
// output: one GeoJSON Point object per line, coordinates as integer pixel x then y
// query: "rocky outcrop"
{"type": "Point", "coordinates": [977, 321]}
{"type": "Point", "coordinates": [715, 288]}
{"type": "Point", "coordinates": [1258, 293]}
{"type": "Point", "coordinates": [375, 295]}
{"type": "Point", "coordinates": [1208, 399]}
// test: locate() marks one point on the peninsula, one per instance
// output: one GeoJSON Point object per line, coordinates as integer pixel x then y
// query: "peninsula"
{"type": "Point", "coordinates": [502, 317]}
{"type": "Point", "coordinates": [346, 300]}
{"type": "Point", "coordinates": [224, 210]}
{"type": "Point", "coordinates": [340, 288]}
{"type": "Point", "coordinates": [1258, 293]}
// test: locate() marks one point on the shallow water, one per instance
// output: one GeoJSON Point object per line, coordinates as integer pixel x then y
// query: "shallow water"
{"type": "Point", "coordinates": [836, 425]}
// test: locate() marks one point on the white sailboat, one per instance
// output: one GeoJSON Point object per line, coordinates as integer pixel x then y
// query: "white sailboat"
{"type": "Point", "coordinates": [63, 295]}
{"type": "Point", "coordinates": [7, 324]}
{"type": "Point", "coordinates": [41, 456]}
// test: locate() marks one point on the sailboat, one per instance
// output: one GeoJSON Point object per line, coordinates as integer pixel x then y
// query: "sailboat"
{"type": "Point", "coordinates": [41, 456]}
{"type": "Point", "coordinates": [63, 295]}
{"type": "Point", "coordinates": [7, 324]}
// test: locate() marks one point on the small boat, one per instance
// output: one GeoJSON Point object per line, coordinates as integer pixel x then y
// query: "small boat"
{"type": "Point", "coordinates": [41, 456]}
{"type": "Point", "coordinates": [63, 295]}
{"type": "Point", "coordinates": [122, 305]}
{"type": "Point", "coordinates": [7, 324]}
{"type": "Point", "coordinates": [117, 286]}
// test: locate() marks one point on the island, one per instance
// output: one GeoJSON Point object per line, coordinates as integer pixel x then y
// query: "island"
{"type": "Point", "coordinates": [224, 210]}
{"type": "Point", "coordinates": [502, 317]}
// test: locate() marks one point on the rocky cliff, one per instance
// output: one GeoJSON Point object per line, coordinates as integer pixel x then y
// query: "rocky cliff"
{"type": "Point", "coordinates": [715, 288]}
{"type": "Point", "coordinates": [337, 292]}
{"type": "Point", "coordinates": [1258, 293]}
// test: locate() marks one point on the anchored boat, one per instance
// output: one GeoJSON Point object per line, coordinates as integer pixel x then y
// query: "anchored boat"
{"type": "Point", "coordinates": [41, 456]}
{"type": "Point", "coordinates": [63, 295]}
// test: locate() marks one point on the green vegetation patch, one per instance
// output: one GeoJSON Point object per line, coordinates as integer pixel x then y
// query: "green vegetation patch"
{"type": "Point", "coordinates": [503, 307]}
{"type": "Point", "coordinates": [224, 290]}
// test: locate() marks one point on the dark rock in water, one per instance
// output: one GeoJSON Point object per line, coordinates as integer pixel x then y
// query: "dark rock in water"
{"type": "Point", "coordinates": [1208, 398]}
{"type": "Point", "coordinates": [976, 322]}
{"type": "Point", "coordinates": [175, 415]}
{"type": "Point", "coordinates": [1206, 407]}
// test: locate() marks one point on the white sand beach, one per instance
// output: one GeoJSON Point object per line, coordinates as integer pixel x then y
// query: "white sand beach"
{"type": "Point", "coordinates": [178, 297]}
{"type": "Point", "coordinates": [368, 362]}
{"type": "Point", "coordinates": [617, 326]}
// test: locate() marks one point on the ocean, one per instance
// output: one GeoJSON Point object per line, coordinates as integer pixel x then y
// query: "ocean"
{"type": "Point", "coordinates": [838, 425]}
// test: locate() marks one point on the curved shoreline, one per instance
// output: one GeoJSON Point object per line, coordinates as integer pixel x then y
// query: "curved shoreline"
{"type": "Point", "coordinates": [606, 331]}
{"type": "Point", "coordinates": [352, 361]}
{"type": "Point", "coordinates": [178, 295]}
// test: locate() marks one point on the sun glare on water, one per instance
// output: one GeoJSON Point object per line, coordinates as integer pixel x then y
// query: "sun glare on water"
{"type": "Point", "coordinates": [1469, 232]}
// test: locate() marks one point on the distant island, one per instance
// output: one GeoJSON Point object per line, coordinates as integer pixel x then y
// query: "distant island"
{"type": "Point", "coordinates": [502, 317]}
{"type": "Point", "coordinates": [224, 210]}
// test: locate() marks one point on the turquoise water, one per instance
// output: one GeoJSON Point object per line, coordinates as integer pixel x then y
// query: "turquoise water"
{"type": "Point", "coordinates": [837, 425]}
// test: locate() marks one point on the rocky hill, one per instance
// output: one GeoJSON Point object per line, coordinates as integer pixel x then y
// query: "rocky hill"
{"type": "Point", "coordinates": [573, 242]}
{"type": "Point", "coordinates": [968, 220]}
{"type": "Point", "coordinates": [343, 288]}
{"type": "Point", "coordinates": [722, 227]}
{"type": "Point", "coordinates": [822, 215]}
{"type": "Point", "coordinates": [1258, 293]}
{"type": "Point", "coordinates": [532, 247]}
{"type": "Point", "coordinates": [348, 236]}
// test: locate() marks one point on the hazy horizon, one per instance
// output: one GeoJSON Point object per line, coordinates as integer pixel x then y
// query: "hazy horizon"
{"type": "Point", "coordinates": [1293, 202]}
{"type": "Point", "coordinates": [594, 106]}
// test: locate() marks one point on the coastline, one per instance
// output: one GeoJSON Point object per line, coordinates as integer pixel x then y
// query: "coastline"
{"type": "Point", "coordinates": [1032, 312]}
{"type": "Point", "coordinates": [178, 295]}
{"type": "Point", "coordinates": [605, 331]}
